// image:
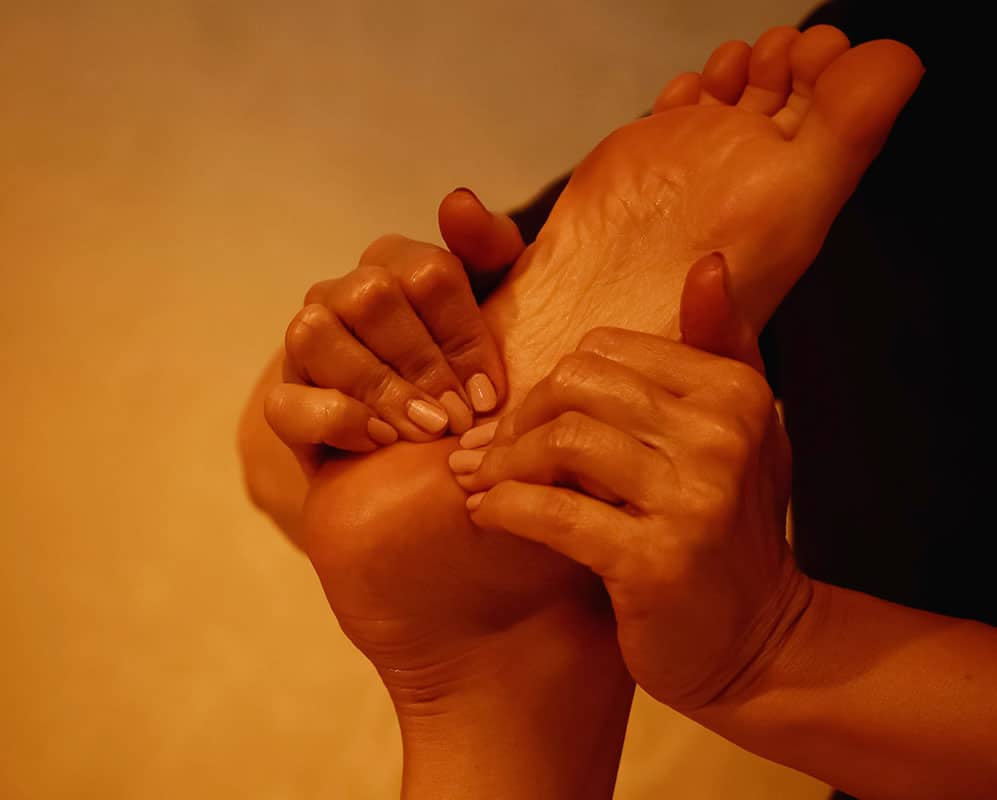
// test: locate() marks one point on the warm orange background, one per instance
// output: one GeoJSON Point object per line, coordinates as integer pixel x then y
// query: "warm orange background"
{"type": "Point", "coordinates": [173, 175]}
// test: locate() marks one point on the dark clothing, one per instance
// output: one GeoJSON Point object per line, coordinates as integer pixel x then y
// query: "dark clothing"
{"type": "Point", "coordinates": [866, 354]}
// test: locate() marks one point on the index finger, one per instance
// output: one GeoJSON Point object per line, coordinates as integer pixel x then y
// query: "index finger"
{"type": "Point", "coordinates": [680, 368]}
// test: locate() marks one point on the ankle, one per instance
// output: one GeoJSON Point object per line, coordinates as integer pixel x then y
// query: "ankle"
{"type": "Point", "coordinates": [540, 711]}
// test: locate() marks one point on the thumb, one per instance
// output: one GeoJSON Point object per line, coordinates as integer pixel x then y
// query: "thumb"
{"type": "Point", "coordinates": [485, 242]}
{"type": "Point", "coordinates": [708, 319]}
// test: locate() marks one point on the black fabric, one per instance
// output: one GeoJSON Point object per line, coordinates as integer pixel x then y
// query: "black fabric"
{"type": "Point", "coordinates": [870, 365]}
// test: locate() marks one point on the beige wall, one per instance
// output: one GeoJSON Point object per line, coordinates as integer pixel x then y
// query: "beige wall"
{"type": "Point", "coordinates": [173, 175]}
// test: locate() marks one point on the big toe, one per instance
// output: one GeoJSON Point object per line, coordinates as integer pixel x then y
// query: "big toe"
{"type": "Point", "coordinates": [859, 95]}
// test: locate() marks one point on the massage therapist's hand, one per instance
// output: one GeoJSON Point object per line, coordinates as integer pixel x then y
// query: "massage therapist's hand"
{"type": "Point", "coordinates": [665, 470]}
{"type": "Point", "coordinates": [398, 346]}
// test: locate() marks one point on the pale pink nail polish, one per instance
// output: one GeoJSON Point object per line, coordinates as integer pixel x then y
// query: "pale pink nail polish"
{"type": "Point", "coordinates": [460, 415]}
{"type": "Point", "coordinates": [465, 461]}
{"type": "Point", "coordinates": [381, 432]}
{"type": "Point", "coordinates": [480, 436]}
{"type": "Point", "coordinates": [430, 418]}
{"type": "Point", "coordinates": [482, 392]}
{"type": "Point", "coordinates": [474, 501]}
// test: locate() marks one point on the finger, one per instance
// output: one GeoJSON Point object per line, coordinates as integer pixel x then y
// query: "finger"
{"type": "Point", "coordinates": [686, 372]}
{"type": "Point", "coordinates": [306, 418]}
{"type": "Point", "coordinates": [371, 302]}
{"type": "Point", "coordinates": [706, 387]}
{"type": "Point", "coordinates": [587, 531]}
{"type": "Point", "coordinates": [707, 316]}
{"type": "Point", "coordinates": [572, 450]}
{"type": "Point", "coordinates": [437, 287]}
{"type": "Point", "coordinates": [676, 367]}
{"type": "Point", "coordinates": [602, 389]}
{"type": "Point", "coordinates": [486, 242]}
{"type": "Point", "coordinates": [322, 352]}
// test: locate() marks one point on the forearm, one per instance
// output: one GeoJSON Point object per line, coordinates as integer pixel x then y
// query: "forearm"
{"type": "Point", "coordinates": [547, 724]}
{"type": "Point", "coordinates": [880, 700]}
{"type": "Point", "coordinates": [273, 478]}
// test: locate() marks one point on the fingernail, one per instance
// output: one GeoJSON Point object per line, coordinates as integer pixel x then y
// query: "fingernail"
{"type": "Point", "coordinates": [465, 189]}
{"type": "Point", "coordinates": [480, 436]}
{"type": "Point", "coordinates": [481, 392]}
{"type": "Point", "coordinates": [720, 265]}
{"type": "Point", "coordinates": [475, 500]}
{"type": "Point", "coordinates": [381, 432]}
{"type": "Point", "coordinates": [465, 461]}
{"type": "Point", "coordinates": [427, 416]}
{"type": "Point", "coordinates": [460, 415]}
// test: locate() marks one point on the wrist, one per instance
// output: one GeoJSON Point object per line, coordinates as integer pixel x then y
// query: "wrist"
{"type": "Point", "coordinates": [777, 664]}
{"type": "Point", "coordinates": [538, 712]}
{"type": "Point", "coordinates": [875, 698]}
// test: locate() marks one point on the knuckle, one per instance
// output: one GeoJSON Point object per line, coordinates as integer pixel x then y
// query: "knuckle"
{"type": "Point", "coordinates": [440, 272]}
{"type": "Point", "coordinates": [274, 405]}
{"type": "Point", "coordinates": [732, 441]}
{"type": "Point", "coordinates": [377, 384]}
{"type": "Point", "coordinates": [750, 388]}
{"type": "Point", "coordinates": [568, 433]}
{"type": "Point", "coordinates": [707, 502]}
{"type": "Point", "coordinates": [424, 368]}
{"type": "Point", "coordinates": [563, 511]}
{"type": "Point", "coordinates": [657, 400]}
{"type": "Point", "coordinates": [375, 288]}
{"type": "Point", "coordinates": [570, 372]}
{"type": "Point", "coordinates": [381, 246]}
{"type": "Point", "coordinates": [505, 431]}
{"type": "Point", "coordinates": [601, 340]}
{"type": "Point", "coordinates": [301, 329]}
{"type": "Point", "coordinates": [330, 419]}
{"type": "Point", "coordinates": [464, 346]}
{"type": "Point", "coordinates": [316, 292]}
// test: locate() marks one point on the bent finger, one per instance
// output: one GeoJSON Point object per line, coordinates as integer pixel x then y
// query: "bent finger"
{"type": "Point", "coordinates": [309, 415]}
{"type": "Point", "coordinates": [375, 304]}
{"type": "Point", "coordinates": [709, 380]}
{"type": "Point", "coordinates": [572, 450]}
{"type": "Point", "coordinates": [436, 285]}
{"type": "Point", "coordinates": [439, 290]}
{"type": "Point", "coordinates": [600, 388]}
{"type": "Point", "coordinates": [587, 531]}
{"type": "Point", "coordinates": [322, 352]}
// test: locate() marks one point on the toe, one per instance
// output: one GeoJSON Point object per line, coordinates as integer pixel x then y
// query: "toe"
{"type": "Point", "coordinates": [683, 90]}
{"type": "Point", "coordinates": [726, 74]}
{"type": "Point", "coordinates": [812, 52]}
{"type": "Point", "coordinates": [858, 97]}
{"type": "Point", "coordinates": [769, 74]}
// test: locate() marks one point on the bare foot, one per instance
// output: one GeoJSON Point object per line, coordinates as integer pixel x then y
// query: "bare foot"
{"type": "Point", "coordinates": [754, 157]}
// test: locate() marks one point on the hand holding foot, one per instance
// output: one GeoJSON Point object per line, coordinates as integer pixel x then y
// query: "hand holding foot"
{"type": "Point", "coordinates": [688, 448]}
{"type": "Point", "coordinates": [398, 345]}
{"type": "Point", "coordinates": [431, 601]}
